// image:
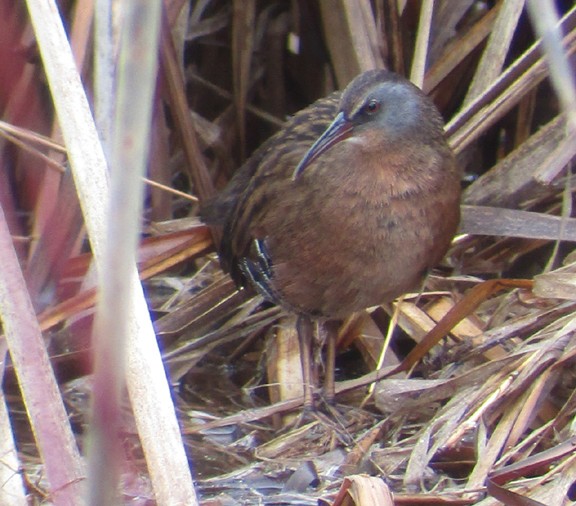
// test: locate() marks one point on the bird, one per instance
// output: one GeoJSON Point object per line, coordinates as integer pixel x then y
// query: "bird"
{"type": "Point", "coordinates": [347, 207]}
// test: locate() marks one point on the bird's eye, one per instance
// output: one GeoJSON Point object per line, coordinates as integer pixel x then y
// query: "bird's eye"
{"type": "Point", "coordinates": [372, 106]}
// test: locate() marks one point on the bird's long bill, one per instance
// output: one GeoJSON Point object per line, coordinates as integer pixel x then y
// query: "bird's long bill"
{"type": "Point", "coordinates": [338, 130]}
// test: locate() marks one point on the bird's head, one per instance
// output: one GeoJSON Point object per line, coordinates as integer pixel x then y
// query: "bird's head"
{"type": "Point", "coordinates": [378, 107]}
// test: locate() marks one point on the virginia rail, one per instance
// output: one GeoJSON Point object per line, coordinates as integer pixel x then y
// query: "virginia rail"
{"type": "Point", "coordinates": [347, 207]}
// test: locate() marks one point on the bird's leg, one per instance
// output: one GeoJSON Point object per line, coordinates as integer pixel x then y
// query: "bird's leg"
{"type": "Point", "coordinates": [305, 333]}
{"type": "Point", "coordinates": [330, 329]}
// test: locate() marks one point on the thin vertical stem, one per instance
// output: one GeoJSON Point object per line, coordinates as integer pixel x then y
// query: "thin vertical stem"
{"type": "Point", "coordinates": [48, 418]}
{"type": "Point", "coordinates": [422, 43]}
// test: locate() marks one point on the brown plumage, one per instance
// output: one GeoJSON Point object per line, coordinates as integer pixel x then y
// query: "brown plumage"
{"type": "Point", "coordinates": [347, 206]}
